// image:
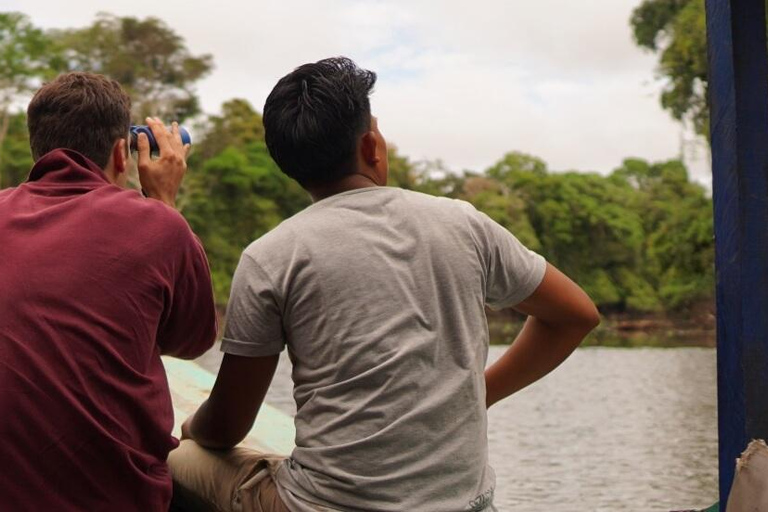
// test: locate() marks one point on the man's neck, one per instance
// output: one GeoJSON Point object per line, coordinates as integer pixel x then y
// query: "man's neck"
{"type": "Point", "coordinates": [351, 182]}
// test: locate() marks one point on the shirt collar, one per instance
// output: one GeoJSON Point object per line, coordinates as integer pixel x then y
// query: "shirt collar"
{"type": "Point", "coordinates": [66, 167]}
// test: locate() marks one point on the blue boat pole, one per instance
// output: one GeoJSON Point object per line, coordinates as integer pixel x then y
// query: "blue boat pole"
{"type": "Point", "coordinates": [738, 94]}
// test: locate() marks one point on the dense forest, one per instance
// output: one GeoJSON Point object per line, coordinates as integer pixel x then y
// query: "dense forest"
{"type": "Point", "coordinates": [639, 239]}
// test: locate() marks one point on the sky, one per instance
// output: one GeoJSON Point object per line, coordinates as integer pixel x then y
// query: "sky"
{"type": "Point", "coordinates": [459, 81]}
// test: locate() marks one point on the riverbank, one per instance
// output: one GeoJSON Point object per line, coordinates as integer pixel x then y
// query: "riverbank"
{"type": "Point", "coordinates": [694, 327]}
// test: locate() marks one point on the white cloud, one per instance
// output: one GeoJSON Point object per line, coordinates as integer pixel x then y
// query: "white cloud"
{"type": "Point", "coordinates": [461, 81]}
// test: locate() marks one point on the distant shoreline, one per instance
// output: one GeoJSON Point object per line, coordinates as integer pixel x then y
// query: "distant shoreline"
{"type": "Point", "coordinates": [692, 328]}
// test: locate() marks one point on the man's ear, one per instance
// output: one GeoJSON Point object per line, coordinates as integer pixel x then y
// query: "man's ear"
{"type": "Point", "coordinates": [120, 156]}
{"type": "Point", "coordinates": [369, 149]}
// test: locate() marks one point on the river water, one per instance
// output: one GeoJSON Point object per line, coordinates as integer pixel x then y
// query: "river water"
{"type": "Point", "coordinates": [610, 430]}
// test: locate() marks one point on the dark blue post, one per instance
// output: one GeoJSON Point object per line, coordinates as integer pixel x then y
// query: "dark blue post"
{"type": "Point", "coordinates": [738, 89]}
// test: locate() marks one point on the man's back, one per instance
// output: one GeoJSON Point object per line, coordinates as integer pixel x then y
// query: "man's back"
{"type": "Point", "coordinates": [95, 282]}
{"type": "Point", "coordinates": [379, 294]}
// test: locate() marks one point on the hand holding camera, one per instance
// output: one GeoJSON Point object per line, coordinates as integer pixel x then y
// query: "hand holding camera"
{"type": "Point", "coordinates": [161, 177]}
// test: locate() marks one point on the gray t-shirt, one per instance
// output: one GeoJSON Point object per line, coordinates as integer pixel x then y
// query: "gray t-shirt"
{"type": "Point", "coordinates": [379, 295]}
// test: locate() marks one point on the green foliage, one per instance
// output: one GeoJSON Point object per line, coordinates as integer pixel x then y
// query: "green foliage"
{"type": "Point", "coordinates": [678, 247]}
{"type": "Point", "coordinates": [652, 18]}
{"type": "Point", "coordinates": [638, 240]}
{"type": "Point", "coordinates": [587, 229]}
{"type": "Point", "coordinates": [237, 194]}
{"type": "Point", "coordinates": [227, 209]}
{"type": "Point", "coordinates": [637, 293]}
{"type": "Point", "coordinates": [501, 204]}
{"type": "Point", "coordinates": [26, 57]}
{"type": "Point", "coordinates": [684, 62]}
{"type": "Point", "coordinates": [402, 172]}
{"type": "Point", "coordinates": [238, 126]}
{"type": "Point", "coordinates": [15, 156]}
{"type": "Point", "coordinates": [676, 31]}
{"type": "Point", "coordinates": [147, 57]}
{"type": "Point", "coordinates": [515, 165]}
{"type": "Point", "coordinates": [426, 177]}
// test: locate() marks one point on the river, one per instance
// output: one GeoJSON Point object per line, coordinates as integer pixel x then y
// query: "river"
{"type": "Point", "coordinates": [612, 429]}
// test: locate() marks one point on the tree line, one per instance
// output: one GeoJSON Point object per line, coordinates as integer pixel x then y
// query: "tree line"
{"type": "Point", "coordinates": [638, 240]}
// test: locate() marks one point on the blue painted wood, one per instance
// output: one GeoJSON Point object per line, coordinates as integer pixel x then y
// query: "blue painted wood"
{"type": "Point", "coordinates": [738, 89]}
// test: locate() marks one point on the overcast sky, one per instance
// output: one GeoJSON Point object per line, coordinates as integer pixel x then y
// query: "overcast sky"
{"type": "Point", "coordinates": [460, 81]}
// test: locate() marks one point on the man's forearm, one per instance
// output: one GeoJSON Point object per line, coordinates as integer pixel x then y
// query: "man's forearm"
{"type": "Point", "coordinates": [203, 428]}
{"type": "Point", "coordinates": [227, 416]}
{"type": "Point", "coordinates": [538, 349]}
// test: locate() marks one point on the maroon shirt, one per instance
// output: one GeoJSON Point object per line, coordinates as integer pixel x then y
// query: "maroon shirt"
{"type": "Point", "coordinates": [95, 283]}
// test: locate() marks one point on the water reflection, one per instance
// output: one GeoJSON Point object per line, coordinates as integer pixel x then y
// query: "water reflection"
{"type": "Point", "coordinates": [612, 429]}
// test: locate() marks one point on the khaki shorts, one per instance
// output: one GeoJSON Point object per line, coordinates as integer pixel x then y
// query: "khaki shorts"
{"type": "Point", "coordinates": [239, 479]}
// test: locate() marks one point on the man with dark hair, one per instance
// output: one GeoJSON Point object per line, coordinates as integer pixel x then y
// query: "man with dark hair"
{"type": "Point", "coordinates": [379, 295]}
{"type": "Point", "coordinates": [96, 282]}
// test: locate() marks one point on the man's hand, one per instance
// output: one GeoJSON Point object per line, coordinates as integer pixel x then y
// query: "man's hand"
{"type": "Point", "coordinates": [161, 177]}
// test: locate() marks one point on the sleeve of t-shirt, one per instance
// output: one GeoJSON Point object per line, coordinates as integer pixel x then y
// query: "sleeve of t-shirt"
{"type": "Point", "coordinates": [190, 325]}
{"type": "Point", "coordinates": [254, 321]}
{"type": "Point", "coordinates": [513, 272]}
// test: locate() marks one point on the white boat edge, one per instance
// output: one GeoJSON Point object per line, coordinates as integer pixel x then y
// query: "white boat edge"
{"type": "Point", "coordinates": [190, 384]}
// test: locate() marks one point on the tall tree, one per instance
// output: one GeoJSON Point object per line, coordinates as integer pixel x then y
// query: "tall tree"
{"type": "Point", "coordinates": [238, 125]}
{"type": "Point", "coordinates": [505, 206]}
{"type": "Point", "coordinates": [146, 56]}
{"type": "Point", "coordinates": [678, 247]}
{"type": "Point", "coordinates": [16, 156]}
{"type": "Point", "coordinates": [26, 57]}
{"type": "Point", "coordinates": [234, 192]}
{"type": "Point", "coordinates": [676, 31]}
{"type": "Point", "coordinates": [426, 176]}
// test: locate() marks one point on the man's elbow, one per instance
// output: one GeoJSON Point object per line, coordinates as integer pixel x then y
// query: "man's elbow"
{"type": "Point", "coordinates": [593, 318]}
{"type": "Point", "coordinates": [589, 319]}
{"type": "Point", "coordinates": [579, 322]}
{"type": "Point", "coordinates": [213, 435]}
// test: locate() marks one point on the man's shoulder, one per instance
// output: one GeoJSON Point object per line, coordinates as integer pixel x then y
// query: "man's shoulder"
{"type": "Point", "coordinates": [410, 199]}
{"type": "Point", "coordinates": [443, 202]}
{"type": "Point", "coordinates": [274, 241]}
{"type": "Point", "coordinates": [7, 196]}
{"type": "Point", "coordinates": [421, 207]}
{"type": "Point", "coordinates": [152, 209]}
{"type": "Point", "coordinates": [445, 211]}
{"type": "Point", "coordinates": [148, 218]}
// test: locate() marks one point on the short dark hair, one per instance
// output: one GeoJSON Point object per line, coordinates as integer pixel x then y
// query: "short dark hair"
{"type": "Point", "coordinates": [80, 111]}
{"type": "Point", "coordinates": [314, 117]}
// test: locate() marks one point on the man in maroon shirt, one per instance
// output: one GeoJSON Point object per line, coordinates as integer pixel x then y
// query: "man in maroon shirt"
{"type": "Point", "coordinates": [96, 282]}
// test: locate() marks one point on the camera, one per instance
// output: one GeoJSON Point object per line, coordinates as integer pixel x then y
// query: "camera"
{"type": "Point", "coordinates": [135, 130]}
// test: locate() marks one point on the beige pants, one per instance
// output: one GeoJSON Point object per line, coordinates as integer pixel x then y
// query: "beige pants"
{"type": "Point", "coordinates": [234, 480]}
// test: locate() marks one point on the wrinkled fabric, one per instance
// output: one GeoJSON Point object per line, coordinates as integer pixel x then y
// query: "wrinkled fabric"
{"type": "Point", "coordinates": [95, 283]}
{"type": "Point", "coordinates": [238, 479]}
{"type": "Point", "coordinates": [379, 294]}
